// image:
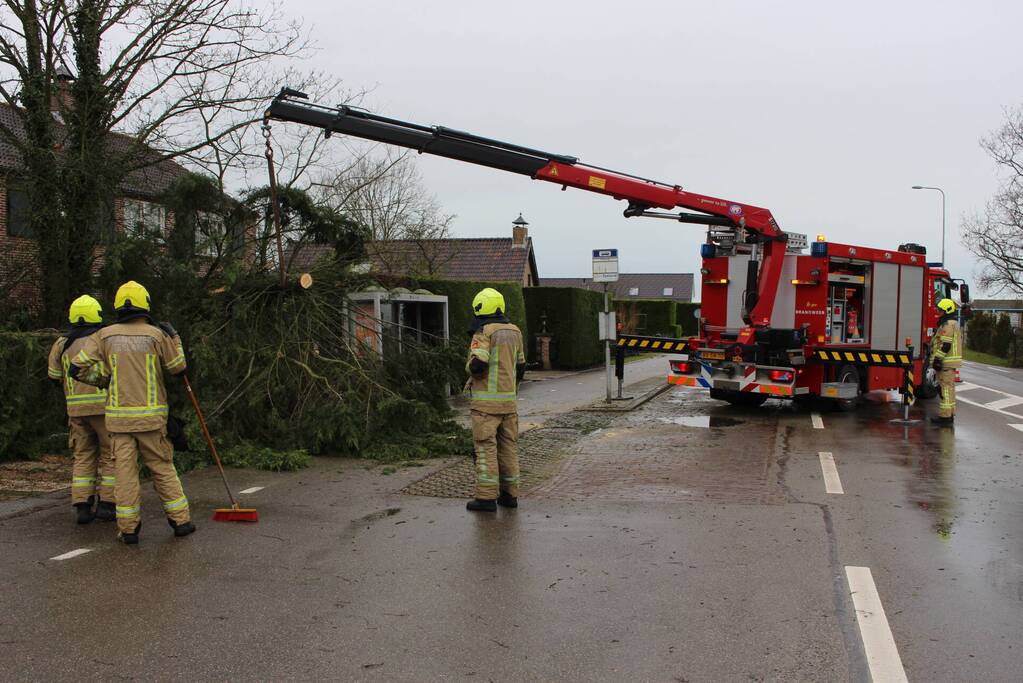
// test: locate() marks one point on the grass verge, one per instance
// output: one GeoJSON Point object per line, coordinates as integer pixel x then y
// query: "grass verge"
{"type": "Point", "coordinates": [987, 358]}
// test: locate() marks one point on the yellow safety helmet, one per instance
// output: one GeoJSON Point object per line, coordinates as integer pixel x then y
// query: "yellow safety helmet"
{"type": "Point", "coordinates": [132, 294]}
{"type": "Point", "coordinates": [947, 306]}
{"type": "Point", "coordinates": [85, 309]}
{"type": "Point", "coordinates": [488, 302]}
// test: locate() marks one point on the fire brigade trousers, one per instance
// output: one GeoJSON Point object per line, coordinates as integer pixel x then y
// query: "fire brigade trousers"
{"type": "Point", "coordinates": [495, 438]}
{"type": "Point", "coordinates": [947, 386]}
{"type": "Point", "coordinates": [158, 455]}
{"type": "Point", "coordinates": [93, 469]}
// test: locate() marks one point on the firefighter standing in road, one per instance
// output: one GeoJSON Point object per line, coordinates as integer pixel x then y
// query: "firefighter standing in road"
{"type": "Point", "coordinates": [92, 475]}
{"type": "Point", "coordinates": [137, 350]}
{"type": "Point", "coordinates": [495, 359]}
{"type": "Point", "coordinates": [946, 357]}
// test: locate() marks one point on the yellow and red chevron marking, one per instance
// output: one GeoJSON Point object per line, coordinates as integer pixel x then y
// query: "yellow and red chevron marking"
{"type": "Point", "coordinates": [683, 381]}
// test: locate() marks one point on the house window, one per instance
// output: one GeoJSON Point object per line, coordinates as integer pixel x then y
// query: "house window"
{"type": "Point", "coordinates": [18, 223]}
{"type": "Point", "coordinates": [144, 219]}
{"type": "Point", "coordinates": [210, 234]}
{"type": "Point", "coordinates": [668, 291]}
{"type": "Point", "coordinates": [633, 291]}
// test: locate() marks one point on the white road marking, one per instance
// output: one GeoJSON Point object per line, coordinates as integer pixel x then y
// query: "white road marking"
{"type": "Point", "coordinates": [253, 489]}
{"type": "Point", "coordinates": [1019, 427]}
{"type": "Point", "coordinates": [832, 484]}
{"type": "Point", "coordinates": [967, 386]}
{"type": "Point", "coordinates": [73, 553]}
{"type": "Point", "coordinates": [815, 418]}
{"type": "Point", "coordinates": [878, 643]}
{"type": "Point", "coordinates": [1004, 403]}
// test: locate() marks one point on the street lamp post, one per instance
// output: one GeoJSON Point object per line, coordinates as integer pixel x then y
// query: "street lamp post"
{"type": "Point", "coordinates": [927, 187]}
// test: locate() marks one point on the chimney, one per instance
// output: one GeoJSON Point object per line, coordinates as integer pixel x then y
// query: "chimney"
{"type": "Point", "coordinates": [61, 100]}
{"type": "Point", "coordinates": [520, 232]}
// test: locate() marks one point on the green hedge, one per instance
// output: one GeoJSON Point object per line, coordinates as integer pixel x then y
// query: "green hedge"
{"type": "Point", "coordinates": [571, 319]}
{"type": "Point", "coordinates": [32, 417]}
{"type": "Point", "coordinates": [656, 317]}
{"type": "Point", "coordinates": [460, 296]}
{"type": "Point", "coordinates": [685, 319]}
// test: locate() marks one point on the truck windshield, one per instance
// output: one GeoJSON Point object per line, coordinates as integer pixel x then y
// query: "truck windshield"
{"type": "Point", "coordinates": [942, 290]}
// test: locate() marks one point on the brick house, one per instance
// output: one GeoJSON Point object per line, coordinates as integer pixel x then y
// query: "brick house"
{"type": "Point", "coordinates": [134, 207]}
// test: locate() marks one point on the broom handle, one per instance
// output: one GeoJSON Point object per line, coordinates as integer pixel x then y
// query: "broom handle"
{"type": "Point", "coordinates": [209, 439]}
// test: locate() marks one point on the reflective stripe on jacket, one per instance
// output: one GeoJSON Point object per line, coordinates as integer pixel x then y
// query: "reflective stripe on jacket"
{"type": "Point", "coordinates": [947, 344]}
{"type": "Point", "coordinates": [499, 345]}
{"type": "Point", "coordinates": [137, 353]}
{"type": "Point", "coordinates": [82, 399]}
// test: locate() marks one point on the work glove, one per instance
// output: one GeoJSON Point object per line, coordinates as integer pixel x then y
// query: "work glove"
{"type": "Point", "coordinates": [937, 364]}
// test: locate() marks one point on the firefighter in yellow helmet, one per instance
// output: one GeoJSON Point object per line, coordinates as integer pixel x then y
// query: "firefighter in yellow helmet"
{"type": "Point", "coordinates": [92, 474]}
{"type": "Point", "coordinates": [137, 350]}
{"type": "Point", "coordinates": [946, 357]}
{"type": "Point", "coordinates": [495, 360]}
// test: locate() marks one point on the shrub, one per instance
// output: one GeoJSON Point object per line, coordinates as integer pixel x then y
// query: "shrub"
{"type": "Point", "coordinates": [1001, 337]}
{"type": "Point", "coordinates": [32, 417]}
{"type": "Point", "coordinates": [571, 318]}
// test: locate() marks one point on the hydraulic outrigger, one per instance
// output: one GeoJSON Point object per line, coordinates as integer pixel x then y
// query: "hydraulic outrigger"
{"type": "Point", "coordinates": [750, 225]}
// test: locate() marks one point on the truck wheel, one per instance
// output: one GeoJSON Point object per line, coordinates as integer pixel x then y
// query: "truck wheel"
{"type": "Point", "coordinates": [849, 374]}
{"type": "Point", "coordinates": [740, 399]}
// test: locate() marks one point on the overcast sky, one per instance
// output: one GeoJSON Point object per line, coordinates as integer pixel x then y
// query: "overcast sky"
{"type": "Point", "coordinates": [825, 113]}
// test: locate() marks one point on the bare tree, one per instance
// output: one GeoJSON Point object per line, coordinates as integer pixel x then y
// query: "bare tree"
{"type": "Point", "coordinates": [996, 234]}
{"type": "Point", "coordinates": [183, 79]}
{"type": "Point", "coordinates": [385, 193]}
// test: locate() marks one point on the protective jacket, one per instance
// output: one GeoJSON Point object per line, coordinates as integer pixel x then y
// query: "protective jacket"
{"type": "Point", "coordinates": [947, 343]}
{"type": "Point", "coordinates": [495, 390]}
{"type": "Point", "coordinates": [136, 353]}
{"type": "Point", "coordinates": [82, 399]}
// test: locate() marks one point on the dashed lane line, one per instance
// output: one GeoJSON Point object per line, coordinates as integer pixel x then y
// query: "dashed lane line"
{"type": "Point", "coordinates": [815, 418]}
{"type": "Point", "coordinates": [832, 483]}
{"type": "Point", "coordinates": [878, 643]}
{"type": "Point", "coordinates": [253, 489]}
{"type": "Point", "coordinates": [73, 553]}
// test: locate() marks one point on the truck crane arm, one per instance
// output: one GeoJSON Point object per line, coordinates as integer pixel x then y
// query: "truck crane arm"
{"type": "Point", "coordinates": [642, 194]}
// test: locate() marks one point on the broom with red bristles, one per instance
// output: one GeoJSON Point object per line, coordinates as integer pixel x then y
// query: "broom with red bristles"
{"type": "Point", "coordinates": [233, 513]}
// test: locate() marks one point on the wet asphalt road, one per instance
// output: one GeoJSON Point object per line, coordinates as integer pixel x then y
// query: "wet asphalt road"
{"type": "Point", "coordinates": [685, 542]}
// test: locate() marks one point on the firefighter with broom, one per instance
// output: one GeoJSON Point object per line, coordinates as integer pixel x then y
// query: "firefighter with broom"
{"type": "Point", "coordinates": [495, 358]}
{"type": "Point", "coordinates": [137, 350]}
{"type": "Point", "coordinates": [92, 474]}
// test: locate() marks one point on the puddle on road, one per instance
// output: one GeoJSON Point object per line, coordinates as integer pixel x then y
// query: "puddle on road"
{"type": "Point", "coordinates": [704, 421]}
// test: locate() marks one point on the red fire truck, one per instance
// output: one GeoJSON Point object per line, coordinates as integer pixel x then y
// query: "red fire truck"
{"type": "Point", "coordinates": [776, 322]}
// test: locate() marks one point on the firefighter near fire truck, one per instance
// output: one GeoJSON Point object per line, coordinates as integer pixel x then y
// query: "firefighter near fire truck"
{"type": "Point", "coordinates": [495, 358]}
{"type": "Point", "coordinates": [946, 358]}
{"type": "Point", "coordinates": [137, 350]}
{"type": "Point", "coordinates": [92, 472]}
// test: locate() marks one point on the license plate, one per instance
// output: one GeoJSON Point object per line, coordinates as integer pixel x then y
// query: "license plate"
{"type": "Point", "coordinates": [712, 355]}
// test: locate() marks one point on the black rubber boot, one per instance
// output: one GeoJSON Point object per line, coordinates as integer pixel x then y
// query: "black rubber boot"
{"type": "Point", "coordinates": [83, 511]}
{"type": "Point", "coordinates": [106, 511]}
{"type": "Point", "coordinates": [181, 529]}
{"type": "Point", "coordinates": [944, 421]}
{"type": "Point", "coordinates": [506, 501]}
{"type": "Point", "coordinates": [130, 538]}
{"type": "Point", "coordinates": [477, 505]}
